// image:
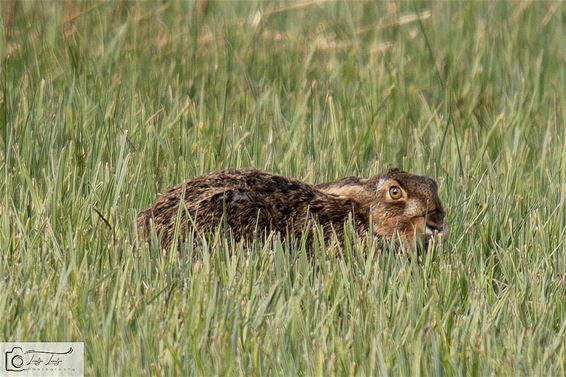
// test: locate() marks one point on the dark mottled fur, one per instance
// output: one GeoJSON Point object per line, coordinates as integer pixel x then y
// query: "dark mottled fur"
{"type": "Point", "coordinates": [251, 203]}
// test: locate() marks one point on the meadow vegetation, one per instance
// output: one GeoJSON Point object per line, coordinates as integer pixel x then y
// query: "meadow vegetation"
{"type": "Point", "coordinates": [105, 104]}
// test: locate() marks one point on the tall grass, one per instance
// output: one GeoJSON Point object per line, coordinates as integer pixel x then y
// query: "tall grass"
{"type": "Point", "coordinates": [105, 104]}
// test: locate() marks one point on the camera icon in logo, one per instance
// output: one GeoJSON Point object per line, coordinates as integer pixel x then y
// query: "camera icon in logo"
{"type": "Point", "coordinates": [15, 360]}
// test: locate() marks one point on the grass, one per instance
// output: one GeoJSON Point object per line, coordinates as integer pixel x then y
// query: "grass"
{"type": "Point", "coordinates": [105, 104]}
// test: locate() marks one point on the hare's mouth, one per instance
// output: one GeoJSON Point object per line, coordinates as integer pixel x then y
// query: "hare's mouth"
{"type": "Point", "coordinates": [434, 233]}
{"type": "Point", "coordinates": [429, 227]}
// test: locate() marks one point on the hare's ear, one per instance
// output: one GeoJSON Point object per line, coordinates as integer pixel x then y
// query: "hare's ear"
{"type": "Point", "coordinates": [396, 170]}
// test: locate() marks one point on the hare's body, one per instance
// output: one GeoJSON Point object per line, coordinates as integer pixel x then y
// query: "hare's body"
{"type": "Point", "coordinates": [251, 203]}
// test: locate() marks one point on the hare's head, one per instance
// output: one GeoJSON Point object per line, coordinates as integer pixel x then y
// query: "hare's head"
{"type": "Point", "coordinates": [405, 206]}
{"type": "Point", "coordinates": [402, 206]}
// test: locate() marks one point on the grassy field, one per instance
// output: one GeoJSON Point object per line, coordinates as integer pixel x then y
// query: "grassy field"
{"type": "Point", "coordinates": [104, 105]}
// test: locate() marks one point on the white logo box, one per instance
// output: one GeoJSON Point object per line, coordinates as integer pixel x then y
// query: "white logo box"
{"type": "Point", "coordinates": [42, 359]}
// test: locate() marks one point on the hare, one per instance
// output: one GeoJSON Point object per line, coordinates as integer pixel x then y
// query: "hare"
{"type": "Point", "coordinates": [395, 205]}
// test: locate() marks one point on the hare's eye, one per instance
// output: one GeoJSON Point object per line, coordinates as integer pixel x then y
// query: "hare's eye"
{"type": "Point", "coordinates": [395, 192]}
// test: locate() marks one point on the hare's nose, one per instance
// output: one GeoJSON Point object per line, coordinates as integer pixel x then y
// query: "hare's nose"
{"type": "Point", "coordinates": [435, 218]}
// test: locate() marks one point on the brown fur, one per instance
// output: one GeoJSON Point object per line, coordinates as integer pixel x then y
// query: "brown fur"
{"type": "Point", "coordinates": [250, 203]}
